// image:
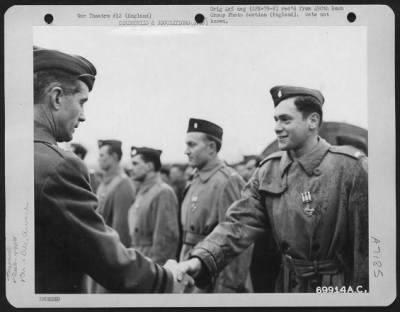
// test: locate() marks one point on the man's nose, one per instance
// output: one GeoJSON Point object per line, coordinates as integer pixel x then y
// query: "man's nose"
{"type": "Point", "coordinates": [82, 116]}
{"type": "Point", "coordinates": [278, 127]}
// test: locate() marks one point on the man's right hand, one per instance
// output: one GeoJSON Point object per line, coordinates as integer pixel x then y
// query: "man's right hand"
{"type": "Point", "coordinates": [192, 267]}
{"type": "Point", "coordinates": [182, 281]}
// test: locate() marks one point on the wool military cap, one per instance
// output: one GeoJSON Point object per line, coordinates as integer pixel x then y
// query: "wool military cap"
{"type": "Point", "coordinates": [207, 127]}
{"type": "Point", "coordinates": [151, 152]}
{"type": "Point", "coordinates": [46, 59]}
{"type": "Point", "coordinates": [280, 93]}
{"type": "Point", "coordinates": [113, 143]}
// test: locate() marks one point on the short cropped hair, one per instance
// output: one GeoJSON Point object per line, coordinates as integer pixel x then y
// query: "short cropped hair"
{"type": "Point", "coordinates": [217, 142]}
{"type": "Point", "coordinates": [43, 79]}
{"type": "Point", "coordinates": [307, 105]}
{"type": "Point", "coordinates": [147, 157]}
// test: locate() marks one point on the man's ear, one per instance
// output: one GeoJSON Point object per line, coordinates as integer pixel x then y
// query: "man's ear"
{"type": "Point", "coordinates": [212, 145]}
{"type": "Point", "coordinates": [314, 119]}
{"type": "Point", "coordinates": [56, 93]}
{"type": "Point", "coordinates": [150, 165]}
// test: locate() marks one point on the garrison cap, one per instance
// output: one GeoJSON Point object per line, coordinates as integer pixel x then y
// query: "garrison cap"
{"type": "Point", "coordinates": [151, 152]}
{"type": "Point", "coordinates": [280, 93]}
{"type": "Point", "coordinates": [113, 143]}
{"type": "Point", "coordinates": [207, 127]}
{"type": "Point", "coordinates": [46, 59]}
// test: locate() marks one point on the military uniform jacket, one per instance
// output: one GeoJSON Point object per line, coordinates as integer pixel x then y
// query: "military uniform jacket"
{"type": "Point", "coordinates": [328, 233]}
{"type": "Point", "coordinates": [116, 194]}
{"type": "Point", "coordinates": [153, 221]}
{"type": "Point", "coordinates": [71, 239]}
{"type": "Point", "coordinates": [213, 189]}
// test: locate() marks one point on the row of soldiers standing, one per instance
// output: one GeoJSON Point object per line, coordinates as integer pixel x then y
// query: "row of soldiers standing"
{"type": "Point", "coordinates": [166, 220]}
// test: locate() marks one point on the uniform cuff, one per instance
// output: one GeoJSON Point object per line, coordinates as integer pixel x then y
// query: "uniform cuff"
{"type": "Point", "coordinates": [210, 267]}
{"type": "Point", "coordinates": [168, 281]}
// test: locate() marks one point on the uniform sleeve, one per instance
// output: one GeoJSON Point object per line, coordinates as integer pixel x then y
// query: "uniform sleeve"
{"type": "Point", "coordinates": [95, 248]}
{"type": "Point", "coordinates": [244, 221]}
{"type": "Point", "coordinates": [358, 209]}
{"type": "Point", "coordinates": [166, 230]}
{"type": "Point", "coordinates": [123, 199]}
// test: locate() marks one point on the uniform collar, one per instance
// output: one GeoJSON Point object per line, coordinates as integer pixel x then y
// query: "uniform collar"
{"type": "Point", "coordinates": [149, 183]}
{"type": "Point", "coordinates": [309, 161]}
{"type": "Point", "coordinates": [209, 170]}
{"type": "Point", "coordinates": [42, 133]}
{"type": "Point", "coordinates": [286, 160]}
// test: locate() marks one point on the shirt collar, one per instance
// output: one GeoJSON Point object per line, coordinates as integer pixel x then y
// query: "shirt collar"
{"type": "Point", "coordinates": [41, 133]}
{"type": "Point", "coordinates": [286, 160]}
{"type": "Point", "coordinates": [309, 161]}
{"type": "Point", "coordinates": [209, 170]}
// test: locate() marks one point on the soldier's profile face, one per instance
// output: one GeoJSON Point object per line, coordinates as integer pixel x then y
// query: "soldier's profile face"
{"type": "Point", "coordinates": [291, 129]}
{"type": "Point", "coordinates": [197, 149]}
{"type": "Point", "coordinates": [139, 168]}
{"type": "Point", "coordinates": [105, 159]}
{"type": "Point", "coordinates": [71, 112]}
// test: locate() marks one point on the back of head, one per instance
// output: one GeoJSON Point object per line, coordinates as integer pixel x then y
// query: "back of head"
{"type": "Point", "coordinates": [79, 150]}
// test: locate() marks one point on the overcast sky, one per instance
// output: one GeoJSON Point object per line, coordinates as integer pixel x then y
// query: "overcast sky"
{"type": "Point", "coordinates": [151, 80]}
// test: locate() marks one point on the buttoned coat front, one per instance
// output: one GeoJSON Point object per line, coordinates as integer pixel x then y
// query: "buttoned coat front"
{"type": "Point", "coordinates": [212, 190]}
{"type": "Point", "coordinates": [153, 221]}
{"type": "Point", "coordinates": [116, 194]}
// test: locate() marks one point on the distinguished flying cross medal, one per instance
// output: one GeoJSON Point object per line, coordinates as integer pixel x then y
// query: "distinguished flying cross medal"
{"type": "Point", "coordinates": [306, 199]}
{"type": "Point", "coordinates": [194, 201]}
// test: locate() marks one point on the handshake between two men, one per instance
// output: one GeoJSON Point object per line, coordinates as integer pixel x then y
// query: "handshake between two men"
{"type": "Point", "coordinates": [184, 273]}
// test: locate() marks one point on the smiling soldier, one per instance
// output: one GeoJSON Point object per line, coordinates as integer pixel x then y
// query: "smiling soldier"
{"type": "Point", "coordinates": [313, 195]}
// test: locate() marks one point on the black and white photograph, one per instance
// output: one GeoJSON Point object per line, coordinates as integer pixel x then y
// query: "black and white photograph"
{"type": "Point", "coordinates": [232, 150]}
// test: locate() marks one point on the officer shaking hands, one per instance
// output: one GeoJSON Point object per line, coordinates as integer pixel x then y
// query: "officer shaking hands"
{"type": "Point", "coordinates": [71, 239]}
{"type": "Point", "coordinates": [313, 196]}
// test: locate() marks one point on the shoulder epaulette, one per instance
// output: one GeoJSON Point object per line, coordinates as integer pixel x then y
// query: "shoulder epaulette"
{"type": "Point", "coordinates": [347, 150]}
{"type": "Point", "coordinates": [278, 154]}
{"type": "Point", "coordinates": [228, 171]}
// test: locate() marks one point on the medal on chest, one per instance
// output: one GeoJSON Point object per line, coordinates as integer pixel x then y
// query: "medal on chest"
{"type": "Point", "coordinates": [306, 199]}
{"type": "Point", "coordinates": [194, 201]}
{"type": "Point", "coordinates": [136, 205]}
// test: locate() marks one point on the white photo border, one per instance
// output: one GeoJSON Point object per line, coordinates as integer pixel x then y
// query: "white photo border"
{"type": "Point", "coordinates": [18, 34]}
